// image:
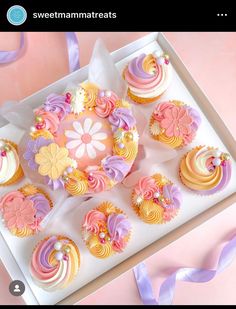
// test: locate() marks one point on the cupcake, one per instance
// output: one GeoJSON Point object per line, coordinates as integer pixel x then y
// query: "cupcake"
{"type": "Point", "coordinates": [174, 123]}
{"type": "Point", "coordinates": [23, 210]}
{"type": "Point", "coordinates": [10, 169]}
{"type": "Point", "coordinates": [156, 199]}
{"type": "Point", "coordinates": [205, 170]}
{"type": "Point", "coordinates": [83, 141]}
{"type": "Point", "coordinates": [106, 230]}
{"type": "Point", "coordinates": [55, 263]}
{"type": "Point", "coordinates": [148, 76]}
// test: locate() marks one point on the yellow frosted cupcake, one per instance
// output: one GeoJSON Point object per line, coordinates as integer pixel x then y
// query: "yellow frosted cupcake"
{"type": "Point", "coordinates": [106, 230]}
{"type": "Point", "coordinates": [205, 170]}
{"type": "Point", "coordinates": [156, 199]}
{"type": "Point", "coordinates": [55, 263]}
{"type": "Point", "coordinates": [23, 210]}
{"type": "Point", "coordinates": [10, 168]}
{"type": "Point", "coordinates": [148, 77]}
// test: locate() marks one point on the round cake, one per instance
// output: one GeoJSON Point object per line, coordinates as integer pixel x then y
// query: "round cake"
{"type": "Point", "coordinates": [106, 230]}
{"type": "Point", "coordinates": [55, 263]}
{"type": "Point", "coordinates": [205, 170]}
{"type": "Point", "coordinates": [156, 199]}
{"type": "Point", "coordinates": [148, 76]}
{"type": "Point", "coordinates": [174, 123]}
{"type": "Point", "coordinates": [23, 209]}
{"type": "Point", "coordinates": [84, 141]}
{"type": "Point", "coordinates": [10, 168]}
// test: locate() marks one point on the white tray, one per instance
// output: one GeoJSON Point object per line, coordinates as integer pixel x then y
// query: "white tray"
{"type": "Point", "coordinates": [16, 253]}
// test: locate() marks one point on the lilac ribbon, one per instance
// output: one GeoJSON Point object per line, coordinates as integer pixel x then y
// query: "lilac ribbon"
{"type": "Point", "coordinates": [72, 47]}
{"type": "Point", "coordinates": [166, 293]}
{"type": "Point", "coordinates": [73, 51]}
{"type": "Point", "coordinates": [12, 55]}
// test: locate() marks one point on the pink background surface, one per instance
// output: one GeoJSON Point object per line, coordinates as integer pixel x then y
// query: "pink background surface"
{"type": "Point", "coordinates": [211, 58]}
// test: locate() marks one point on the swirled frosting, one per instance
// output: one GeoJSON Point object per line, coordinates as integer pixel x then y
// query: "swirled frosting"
{"type": "Point", "coordinates": [97, 180]}
{"type": "Point", "coordinates": [118, 228]}
{"type": "Point", "coordinates": [146, 78]}
{"type": "Point", "coordinates": [92, 220]}
{"type": "Point", "coordinates": [151, 212]}
{"type": "Point", "coordinates": [146, 187]}
{"type": "Point", "coordinates": [205, 170]}
{"type": "Point", "coordinates": [106, 230]}
{"type": "Point", "coordinates": [55, 263]}
{"type": "Point", "coordinates": [155, 199]}
{"type": "Point", "coordinates": [122, 118]}
{"type": "Point", "coordinates": [115, 168]}
{"type": "Point", "coordinates": [57, 104]}
{"type": "Point", "coordinates": [105, 104]}
{"type": "Point", "coordinates": [9, 163]}
{"type": "Point", "coordinates": [41, 204]}
{"type": "Point", "coordinates": [50, 119]}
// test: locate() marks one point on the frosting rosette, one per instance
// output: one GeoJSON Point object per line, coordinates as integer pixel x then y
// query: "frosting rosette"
{"type": "Point", "coordinates": [106, 230]}
{"type": "Point", "coordinates": [148, 76]}
{"type": "Point", "coordinates": [174, 123]}
{"type": "Point", "coordinates": [205, 170]}
{"type": "Point", "coordinates": [55, 263]}
{"type": "Point", "coordinates": [156, 199]}
{"type": "Point", "coordinates": [10, 168]}
{"type": "Point", "coordinates": [23, 210]}
{"type": "Point", "coordinates": [83, 141]}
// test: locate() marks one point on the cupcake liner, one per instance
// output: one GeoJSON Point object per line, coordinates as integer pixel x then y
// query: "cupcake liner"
{"type": "Point", "coordinates": [140, 100]}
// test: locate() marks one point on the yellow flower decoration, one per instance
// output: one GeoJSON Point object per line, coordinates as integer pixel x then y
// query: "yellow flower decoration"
{"type": "Point", "coordinates": [52, 160]}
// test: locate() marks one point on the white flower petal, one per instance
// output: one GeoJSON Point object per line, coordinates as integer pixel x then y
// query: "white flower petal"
{"type": "Point", "coordinates": [95, 128]}
{"type": "Point", "coordinates": [73, 144]}
{"type": "Point", "coordinates": [78, 128]}
{"type": "Point", "coordinates": [98, 145]}
{"type": "Point", "coordinates": [80, 151]}
{"type": "Point", "coordinates": [87, 124]}
{"type": "Point", "coordinates": [99, 136]}
{"type": "Point", "coordinates": [72, 134]}
{"type": "Point", "coordinates": [91, 151]}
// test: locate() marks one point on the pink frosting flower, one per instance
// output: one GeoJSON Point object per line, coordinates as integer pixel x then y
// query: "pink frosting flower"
{"type": "Point", "coordinates": [146, 187]}
{"type": "Point", "coordinates": [9, 197]}
{"type": "Point", "coordinates": [19, 213]}
{"type": "Point", "coordinates": [35, 226]}
{"type": "Point", "coordinates": [158, 113]}
{"type": "Point", "coordinates": [177, 122]}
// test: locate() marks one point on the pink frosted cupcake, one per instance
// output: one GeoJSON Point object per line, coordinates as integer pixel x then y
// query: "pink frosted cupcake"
{"type": "Point", "coordinates": [174, 123]}
{"type": "Point", "coordinates": [148, 76]}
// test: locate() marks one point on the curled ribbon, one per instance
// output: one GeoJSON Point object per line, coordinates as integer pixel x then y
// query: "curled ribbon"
{"type": "Point", "coordinates": [166, 293]}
